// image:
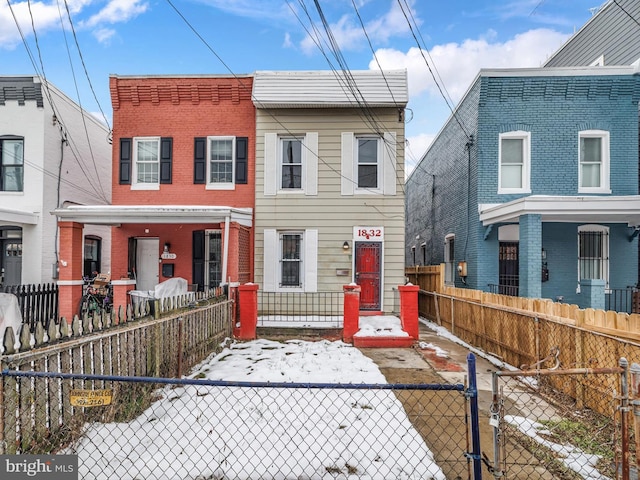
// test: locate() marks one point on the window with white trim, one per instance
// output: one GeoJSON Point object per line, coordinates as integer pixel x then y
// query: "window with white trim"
{"type": "Point", "coordinates": [12, 164]}
{"type": "Point", "coordinates": [290, 260]}
{"type": "Point", "coordinates": [291, 163]}
{"type": "Point", "coordinates": [593, 151]}
{"type": "Point", "coordinates": [146, 163]}
{"type": "Point", "coordinates": [368, 156]}
{"type": "Point", "coordinates": [449, 259]}
{"type": "Point", "coordinates": [220, 167]}
{"type": "Point", "coordinates": [291, 271]}
{"type": "Point", "coordinates": [593, 253]}
{"type": "Point", "coordinates": [514, 158]}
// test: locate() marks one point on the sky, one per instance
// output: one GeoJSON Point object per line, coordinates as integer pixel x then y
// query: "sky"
{"type": "Point", "coordinates": [249, 432]}
{"type": "Point", "coordinates": [77, 44]}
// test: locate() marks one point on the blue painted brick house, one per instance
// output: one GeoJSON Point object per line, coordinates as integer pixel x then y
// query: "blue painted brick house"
{"type": "Point", "coordinates": [531, 187]}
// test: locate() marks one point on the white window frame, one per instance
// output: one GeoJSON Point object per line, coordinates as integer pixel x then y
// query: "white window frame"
{"type": "Point", "coordinates": [301, 260]}
{"type": "Point", "coordinates": [281, 165]}
{"type": "Point", "coordinates": [605, 161]}
{"type": "Point", "coordinates": [221, 185]}
{"type": "Point", "coordinates": [449, 259]}
{"type": "Point", "coordinates": [379, 165]}
{"type": "Point", "coordinates": [135, 184]}
{"type": "Point", "coordinates": [526, 161]}
{"type": "Point", "coordinates": [605, 251]}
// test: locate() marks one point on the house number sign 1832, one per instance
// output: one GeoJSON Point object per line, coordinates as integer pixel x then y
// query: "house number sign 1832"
{"type": "Point", "coordinates": [368, 233]}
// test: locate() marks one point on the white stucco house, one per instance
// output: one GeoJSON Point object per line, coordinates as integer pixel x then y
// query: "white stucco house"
{"type": "Point", "coordinates": [52, 153]}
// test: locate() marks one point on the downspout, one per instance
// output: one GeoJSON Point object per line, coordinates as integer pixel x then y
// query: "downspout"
{"type": "Point", "coordinates": [225, 254]}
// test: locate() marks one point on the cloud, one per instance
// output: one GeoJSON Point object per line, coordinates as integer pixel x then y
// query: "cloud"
{"type": "Point", "coordinates": [117, 11]}
{"type": "Point", "coordinates": [455, 65]}
{"type": "Point", "coordinates": [104, 35]}
{"type": "Point", "coordinates": [348, 32]}
{"type": "Point", "coordinates": [46, 16]}
{"type": "Point", "coordinates": [414, 150]}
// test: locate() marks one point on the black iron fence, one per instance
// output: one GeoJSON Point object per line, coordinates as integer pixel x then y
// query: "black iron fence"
{"type": "Point", "coordinates": [38, 303]}
{"type": "Point", "coordinates": [622, 300]}
{"type": "Point", "coordinates": [296, 308]}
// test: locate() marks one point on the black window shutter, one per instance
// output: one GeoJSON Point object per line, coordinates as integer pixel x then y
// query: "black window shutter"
{"type": "Point", "coordinates": [166, 148]}
{"type": "Point", "coordinates": [125, 161]}
{"type": "Point", "coordinates": [200, 160]}
{"type": "Point", "coordinates": [198, 259]}
{"type": "Point", "coordinates": [242, 159]}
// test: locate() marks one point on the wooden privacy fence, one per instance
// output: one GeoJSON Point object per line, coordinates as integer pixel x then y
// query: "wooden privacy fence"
{"type": "Point", "coordinates": [153, 347]}
{"type": "Point", "coordinates": [523, 331]}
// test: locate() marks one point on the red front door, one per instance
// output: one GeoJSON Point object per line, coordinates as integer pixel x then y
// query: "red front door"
{"type": "Point", "coordinates": [369, 273]}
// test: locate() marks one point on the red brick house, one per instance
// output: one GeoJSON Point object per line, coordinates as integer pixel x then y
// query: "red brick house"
{"type": "Point", "coordinates": [183, 190]}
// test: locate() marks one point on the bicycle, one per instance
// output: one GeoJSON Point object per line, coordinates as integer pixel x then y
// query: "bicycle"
{"type": "Point", "coordinates": [95, 299]}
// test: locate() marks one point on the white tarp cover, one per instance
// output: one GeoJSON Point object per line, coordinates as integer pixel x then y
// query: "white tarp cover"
{"type": "Point", "coordinates": [10, 316]}
{"type": "Point", "coordinates": [171, 288]}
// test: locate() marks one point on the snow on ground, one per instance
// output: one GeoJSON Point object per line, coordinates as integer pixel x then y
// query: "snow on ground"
{"type": "Point", "coordinates": [199, 432]}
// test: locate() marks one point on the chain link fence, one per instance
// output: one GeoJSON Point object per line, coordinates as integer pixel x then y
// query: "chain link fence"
{"type": "Point", "coordinates": [539, 430]}
{"type": "Point", "coordinates": [150, 428]}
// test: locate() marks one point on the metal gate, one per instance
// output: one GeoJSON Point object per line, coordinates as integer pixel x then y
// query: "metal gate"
{"type": "Point", "coordinates": [548, 424]}
{"type": "Point", "coordinates": [143, 427]}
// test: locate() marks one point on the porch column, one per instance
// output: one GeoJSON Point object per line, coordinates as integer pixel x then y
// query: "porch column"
{"type": "Point", "coordinates": [530, 262]}
{"type": "Point", "coordinates": [70, 269]}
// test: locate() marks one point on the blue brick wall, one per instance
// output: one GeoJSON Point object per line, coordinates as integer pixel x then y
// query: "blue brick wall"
{"type": "Point", "coordinates": [442, 198]}
{"type": "Point", "coordinates": [554, 110]}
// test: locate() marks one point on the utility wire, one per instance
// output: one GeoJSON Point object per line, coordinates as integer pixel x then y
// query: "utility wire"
{"type": "Point", "coordinates": [256, 101]}
{"type": "Point", "coordinates": [75, 82]}
{"type": "Point", "coordinates": [453, 112]}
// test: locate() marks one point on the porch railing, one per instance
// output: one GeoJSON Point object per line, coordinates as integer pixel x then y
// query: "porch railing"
{"type": "Point", "coordinates": [38, 303]}
{"type": "Point", "coordinates": [300, 308]}
{"type": "Point", "coordinates": [622, 300]}
{"type": "Point", "coordinates": [511, 290]}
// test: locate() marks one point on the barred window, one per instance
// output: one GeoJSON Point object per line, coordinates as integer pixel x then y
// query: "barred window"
{"type": "Point", "coordinates": [593, 253]}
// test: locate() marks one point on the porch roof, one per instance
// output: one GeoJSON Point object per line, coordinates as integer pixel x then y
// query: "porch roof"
{"type": "Point", "coordinates": [25, 217]}
{"type": "Point", "coordinates": [574, 209]}
{"type": "Point", "coordinates": [119, 214]}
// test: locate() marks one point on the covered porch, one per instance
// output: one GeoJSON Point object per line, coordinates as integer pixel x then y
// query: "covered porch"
{"type": "Point", "coordinates": [209, 246]}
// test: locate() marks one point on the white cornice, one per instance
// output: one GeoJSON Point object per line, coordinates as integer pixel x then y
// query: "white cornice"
{"type": "Point", "coordinates": [623, 209]}
{"type": "Point", "coordinates": [119, 214]}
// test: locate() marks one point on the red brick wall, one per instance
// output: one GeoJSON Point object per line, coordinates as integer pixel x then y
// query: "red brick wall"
{"type": "Point", "coordinates": [181, 108]}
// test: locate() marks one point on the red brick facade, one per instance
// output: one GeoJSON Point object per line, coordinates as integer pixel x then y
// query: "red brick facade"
{"type": "Point", "coordinates": [183, 108]}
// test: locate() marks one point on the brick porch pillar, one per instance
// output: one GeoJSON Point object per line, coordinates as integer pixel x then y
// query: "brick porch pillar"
{"type": "Point", "coordinates": [121, 289]}
{"type": "Point", "coordinates": [70, 269]}
{"type": "Point", "coordinates": [248, 305]}
{"type": "Point", "coordinates": [409, 309]}
{"type": "Point", "coordinates": [351, 323]}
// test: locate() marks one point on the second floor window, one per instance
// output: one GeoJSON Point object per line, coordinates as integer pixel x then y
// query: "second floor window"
{"type": "Point", "coordinates": [368, 157]}
{"type": "Point", "coordinates": [146, 161]}
{"type": "Point", "coordinates": [221, 159]}
{"type": "Point", "coordinates": [514, 161]}
{"type": "Point", "coordinates": [12, 167]}
{"type": "Point", "coordinates": [291, 164]}
{"type": "Point", "coordinates": [594, 161]}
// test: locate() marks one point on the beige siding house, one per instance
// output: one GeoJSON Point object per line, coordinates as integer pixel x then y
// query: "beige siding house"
{"type": "Point", "coordinates": [330, 183]}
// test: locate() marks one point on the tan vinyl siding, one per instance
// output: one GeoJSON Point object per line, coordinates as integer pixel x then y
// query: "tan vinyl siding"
{"type": "Point", "coordinates": [334, 215]}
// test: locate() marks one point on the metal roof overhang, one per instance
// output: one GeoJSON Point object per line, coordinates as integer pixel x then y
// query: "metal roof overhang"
{"type": "Point", "coordinates": [17, 217]}
{"type": "Point", "coordinates": [588, 209]}
{"type": "Point", "coordinates": [120, 214]}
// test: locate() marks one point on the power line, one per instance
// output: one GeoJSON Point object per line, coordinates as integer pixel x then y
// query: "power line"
{"type": "Point", "coordinates": [455, 116]}
{"type": "Point", "coordinates": [256, 101]}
